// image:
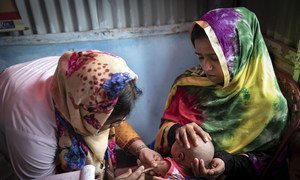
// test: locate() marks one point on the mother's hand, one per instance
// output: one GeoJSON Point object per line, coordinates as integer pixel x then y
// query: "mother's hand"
{"type": "Point", "coordinates": [190, 130]}
{"type": "Point", "coordinates": [217, 167]}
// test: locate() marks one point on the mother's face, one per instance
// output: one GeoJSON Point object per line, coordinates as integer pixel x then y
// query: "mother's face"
{"type": "Point", "coordinates": [209, 60]}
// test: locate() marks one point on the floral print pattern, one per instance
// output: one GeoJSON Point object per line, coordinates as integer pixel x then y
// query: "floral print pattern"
{"type": "Point", "coordinates": [77, 60]}
{"type": "Point", "coordinates": [92, 121]}
{"type": "Point", "coordinates": [76, 156]}
{"type": "Point", "coordinates": [85, 89]}
{"type": "Point", "coordinates": [116, 84]}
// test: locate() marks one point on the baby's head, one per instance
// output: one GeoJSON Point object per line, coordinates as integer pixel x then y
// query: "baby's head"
{"type": "Point", "coordinates": [185, 156]}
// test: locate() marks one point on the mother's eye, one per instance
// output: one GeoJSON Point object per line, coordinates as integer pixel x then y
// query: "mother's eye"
{"type": "Point", "coordinates": [214, 57]}
{"type": "Point", "coordinates": [200, 57]}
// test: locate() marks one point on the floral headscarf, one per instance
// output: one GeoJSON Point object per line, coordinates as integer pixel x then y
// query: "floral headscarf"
{"type": "Point", "coordinates": [248, 112]}
{"type": "Point", "coordinates": [85, 89]}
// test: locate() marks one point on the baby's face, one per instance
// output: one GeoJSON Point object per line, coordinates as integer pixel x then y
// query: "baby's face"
{"type": "Point", "coordinates": [176, 150]}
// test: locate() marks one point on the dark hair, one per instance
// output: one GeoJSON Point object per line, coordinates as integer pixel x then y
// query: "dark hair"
{"type": "Point", "coordinates": [197, 33]}
{"type": "Point", "coordinates": [126, 99]}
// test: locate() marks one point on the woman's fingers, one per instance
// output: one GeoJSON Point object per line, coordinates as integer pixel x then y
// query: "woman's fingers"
{"type": "Point", "coordinates": [141, 176]}
{"type": "Point", "coordinates": [192, 135]}
{"type": "Point", "coordinates": [125, 175]}
{"type": "Point", "coordinates": [202, 168]}
{"type": "Point", "coordinates": [149, 158]}
{"type": "Point", "coordinates": [157, 178]}
{"type": "Point", "coordinates": [138, 161]}
{"type": "Point", "coordinates": [184, 139]}
{"type": "Point", "coordinates": [181, 137]}
{"type": "Point", "coordinates": [191, 131]}
{"type": "Point", "coordinates": [195, 167]}
{"type": "Point", "coordinates": [157, 157]}
{"type": "Point", "coordinates": [137, 174]}
{"type": "Point", "coordinates": [218, 166]}
{"type": "Point", "coordinates": [204, 135]}
{"type": "Point", "coordinates": [199, 169]}
{"type": "Point", "coordinates": [177, 138]}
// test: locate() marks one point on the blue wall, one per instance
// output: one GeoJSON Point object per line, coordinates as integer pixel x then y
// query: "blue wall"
{"type": "Point", "coordinates": [156, 59]}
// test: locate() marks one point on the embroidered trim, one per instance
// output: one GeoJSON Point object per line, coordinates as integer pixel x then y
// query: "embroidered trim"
{"type": "Point", "coordinates": [139, 148]}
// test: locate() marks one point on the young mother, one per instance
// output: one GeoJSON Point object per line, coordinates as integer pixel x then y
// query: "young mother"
{"type": "Point", "coordinates": [232, 98]}
{"type": "Point", "coordinates": [82, 99]}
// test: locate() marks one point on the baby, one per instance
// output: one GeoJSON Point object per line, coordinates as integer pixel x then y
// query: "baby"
{"type": "Point", "coordinates": [179, 166]}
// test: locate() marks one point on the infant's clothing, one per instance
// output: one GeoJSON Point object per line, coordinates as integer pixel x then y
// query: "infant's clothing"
{"type": "Point", "coordinates": [174, 172]}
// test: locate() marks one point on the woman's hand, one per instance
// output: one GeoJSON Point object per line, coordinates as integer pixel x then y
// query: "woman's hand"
{"type": "Point", "coordinates": [149, 158]}
{"type": "Point", "coordinates": [190, 130]}
{"type": "Point", "coordinates": [162, 168]}
{"type": "Point", "coordinates": [217, 167]}
{"type": "Point", "coordinates": [137, 174]}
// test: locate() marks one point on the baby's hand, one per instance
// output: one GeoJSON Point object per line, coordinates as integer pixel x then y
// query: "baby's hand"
{"type": "Point", "coordinates": [162, 168]}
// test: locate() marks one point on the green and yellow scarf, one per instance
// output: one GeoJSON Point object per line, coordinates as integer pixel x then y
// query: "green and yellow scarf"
{"type": "Point", "coordinates": [248, 112]}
